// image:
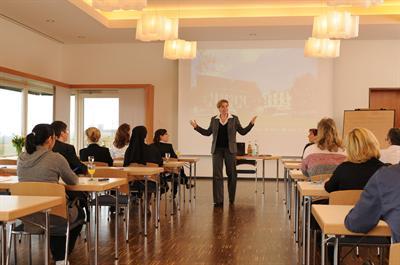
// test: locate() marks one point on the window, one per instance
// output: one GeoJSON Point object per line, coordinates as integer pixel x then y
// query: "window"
{"type": "Point", "coordinates": [102, 113]}
{"type": "Point", "coordinates": [40, 107]}
{"type": "Point", "coordinates": [72, 121]}
{"type": "Point", "coordinates": [10, 118]}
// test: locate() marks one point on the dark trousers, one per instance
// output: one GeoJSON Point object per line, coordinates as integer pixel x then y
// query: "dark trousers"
{"type": "Point", "coordinates": [219, 156]}
{"type": "Point", "coordinates": [57, 243]}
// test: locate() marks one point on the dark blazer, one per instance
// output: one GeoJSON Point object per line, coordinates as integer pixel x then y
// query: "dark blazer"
{"type": "Point", "coordinates": [380, 200]}
{"type": "Point", "coordinates": [101, 154]}
{"type": "Point", "coordinates": [233, 127]}
{"type": "Point", "coordinates": [150, 155]}
{"type": "Point", "coordinates": [164, 148]}
{"type": "Point", "coordinates": [68, 151]}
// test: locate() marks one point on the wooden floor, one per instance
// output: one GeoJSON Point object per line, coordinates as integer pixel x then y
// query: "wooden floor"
{"type": "Point", "coordinates": [255, 230]}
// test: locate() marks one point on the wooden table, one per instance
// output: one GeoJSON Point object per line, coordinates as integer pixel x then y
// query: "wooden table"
{"type": "Point", "coordinates": [306, 191]}
{"type": "Point", "coordinates": [331, 220]}
{"type": "Point", "coordinates": [92, 186]}
{"type": "Point", "coordinates": [174, 167]}
{"type": "Point", "coordinates": [8, 169]}
{"type": "Point", "coordinates": [192, 164]}
{"type": "Point", "coordinates": [287, 166]}
{"type": "Point", "coordinates": [264, 158]}
{"type": "Point", "coordinates": [14, 207]}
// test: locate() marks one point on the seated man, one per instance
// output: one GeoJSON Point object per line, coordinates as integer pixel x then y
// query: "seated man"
{"type": "Point", "coordinates": [65, 149]}
{"type": "Point", "coordinates": [379, 200]}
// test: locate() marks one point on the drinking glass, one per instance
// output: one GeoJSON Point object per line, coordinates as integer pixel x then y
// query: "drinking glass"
{"type": "Point", "coordinates": [91, 159]}
{"type": "Point", "coordinates": [167, 156]}
{"type": "Point", "coordinates": [91, 167]}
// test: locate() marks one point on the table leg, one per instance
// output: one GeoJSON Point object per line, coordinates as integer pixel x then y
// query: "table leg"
{"type": "Point", "coordinates": [285, 184]}
{"type": "Point", "coordinates": [128, 211]}
{"type": "Point", "coordinates": [322, 248]}
{"type": "Point", "coordinates": [303, 235]}
{"type": "Point", "coordinates": [195, 178]}
{"type": "Point", "coordinates": [157, 205]}
{"type": "Point", "coordinates": [179, 190]}
{"type": "Point", "coordinates": [172, 194]}
{"type": "Point", "coordinates": [296, 213]}
{"type": "Point", "coordinates": [263, 175]}
{"type": "Point", "coordinates": [116, 222]}
{"type": "Point", "coordinates": [190, 182]}
{"type": "Point", "coordinates": [3, 243]}
{"type": "Point", "coordinates": [277, 175]}
{"type": "Point", "coordinates": [47, 237]}
{"type": "Point", "coordinates": [145, 205]}
{"type": "Point", "coordinates": [308, 228]}
{"type": "Point", "coordinates": [336, 252]}
{"type": "Point", "coordinates": [96, 227]}
{"type": "Point", "coordinates": [289, 204]}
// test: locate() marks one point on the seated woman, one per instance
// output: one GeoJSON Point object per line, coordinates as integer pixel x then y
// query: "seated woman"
{"type": "Point", "coordinates": [121, 142]}
{"type": "Point", "coordinates": [160, 141]}
{"type": "Point", "coordinates": [101, 154]}
{"type": "Point", "coordinates": [40, 164]}
{"type": "Point", "coordinates": [362, 149]}
{"type": "Point", "coordinates": [326, 154]}
{"type": "Point", "coordinates": [391, 155]}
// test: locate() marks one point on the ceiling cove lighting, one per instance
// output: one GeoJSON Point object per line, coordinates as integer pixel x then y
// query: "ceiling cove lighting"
{"type": "Point", "coordinates": [111, 5]}
{"type": "Point", "coordinates": [180, 49]}
{"type": "Point", "coordinates": [336, 25]}
{"type": "Point", "coordinates": [365, 3]}
{"type": "Point", "coordinates": [322, 48]}
{"type": "Point", "coordinates": [155, 27]}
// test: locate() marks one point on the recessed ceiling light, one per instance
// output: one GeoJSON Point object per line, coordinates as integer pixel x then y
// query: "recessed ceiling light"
{"type": "Point", "coordinates": [253, 34]}
{"type": "Point", "coordinates": [50, 20]}
{"type": "Point", "coordinates": [81, 37]}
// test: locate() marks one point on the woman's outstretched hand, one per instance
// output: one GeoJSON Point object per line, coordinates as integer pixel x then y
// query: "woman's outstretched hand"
{"type": "Point", "coordinates": [253, 120]}
{"type": "Point", "coordinates": [193, 123]}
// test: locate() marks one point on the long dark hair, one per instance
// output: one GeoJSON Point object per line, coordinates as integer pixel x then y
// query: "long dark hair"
{"type": "Point", "coordinates": [135, 151]}
{"type": "Point", "coordinates": [38, 136]}
{"type": "Point", "coordinates": [158, 134]}
{"type": "Point", "coordinates": [122, 135]}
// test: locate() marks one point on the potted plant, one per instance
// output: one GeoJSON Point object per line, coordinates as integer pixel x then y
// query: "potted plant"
{"type": "Point", "coordinates": [18, 142]}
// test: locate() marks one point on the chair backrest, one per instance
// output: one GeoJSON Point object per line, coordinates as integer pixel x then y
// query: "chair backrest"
{"type": "Point", "coordinates": [97, 164]}
{"type": "Point", "coordinates": [246, 162]}
{"type": "Point", "coordinates": [321, 177]}
{"type": "Point", "coordinates": [152, 165]}
{"type": "Point", "coordinates": [43, 189]}
{"type": "Point", "coordinates": [344, 197]}
{"type": "Point", "coordinates": [8, 162]}
{"type": "Point", "coordinates": [113, 173]}
{"type": "Point", "coordinates": [394, 256]}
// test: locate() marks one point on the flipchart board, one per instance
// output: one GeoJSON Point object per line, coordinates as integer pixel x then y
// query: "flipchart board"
{"type": "Point", "coordinates": [377, 121]}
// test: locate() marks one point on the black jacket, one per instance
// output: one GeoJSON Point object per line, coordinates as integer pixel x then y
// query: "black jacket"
{"type": "Point", "coordinates": [150, 155]}
{"type": "Point", "coordinates": [101, 154]}
{"type": "Point", "coordinates": [164, 148]}
{"type": "Point", "coordinates": [68, 151]}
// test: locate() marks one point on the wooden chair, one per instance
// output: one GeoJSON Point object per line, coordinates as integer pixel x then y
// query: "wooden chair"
{"type": "Point", "coordinates": [344, 197]}
{"type": "Point", "coordinates": [40, 189]}
{"type": "Point", "coordinates": [8, 162]}
{"type": "Point", "coordinates": [247, 166]}
{"type": "Point", "coordinates": [394, 257]}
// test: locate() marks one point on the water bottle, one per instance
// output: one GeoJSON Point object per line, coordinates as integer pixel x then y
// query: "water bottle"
{"type": "Point", "coordinates": [249, 149]}
{"type": "Point", "coordinates": [256, 148]}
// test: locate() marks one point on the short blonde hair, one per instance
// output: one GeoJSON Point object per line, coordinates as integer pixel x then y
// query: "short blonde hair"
{"type": "Point", "coordinates": [361, 145]}
{"type": "Point", "coordinates": [93, 134]}
{"type": "Point", "coordinates": [222, 101]}
{"type": "Point", "coordinates": [327, 136]}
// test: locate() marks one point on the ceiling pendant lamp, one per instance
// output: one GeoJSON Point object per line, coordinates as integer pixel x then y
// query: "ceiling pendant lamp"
{"type": "Point", "coordinates": [180, 49]}
{"type": "Point", "coordinates": [322, 48]}
{"type": "Point", "coordinates": [111, 5]}
{"type": "Point", "coordinates": [336, 25]}
{"type": "Point", "coordinates": [156, 27]}
{"type": "Point", "coordinates": [365, 3]}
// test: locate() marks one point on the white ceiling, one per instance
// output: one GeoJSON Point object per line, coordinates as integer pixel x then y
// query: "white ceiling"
{"type": "Point", "coordinates": [64, 22]}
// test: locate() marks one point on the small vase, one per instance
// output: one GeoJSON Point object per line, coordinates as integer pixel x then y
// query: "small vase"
{"type": "Point", "coordinates": [19, 150]}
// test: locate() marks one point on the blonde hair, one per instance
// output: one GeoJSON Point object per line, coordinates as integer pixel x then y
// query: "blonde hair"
{"type": "Point", "coordinates": [222, 101]}
{"type": "Point", "coordinates": [93, 134]}
{"type": "Point", "coordinates": [327, 137]}
{"type": "Point", "coordinates": [361, 145]}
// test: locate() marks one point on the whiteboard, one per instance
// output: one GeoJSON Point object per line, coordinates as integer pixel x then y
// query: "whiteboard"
{"type": "Point", "coordinates": [377, 121]}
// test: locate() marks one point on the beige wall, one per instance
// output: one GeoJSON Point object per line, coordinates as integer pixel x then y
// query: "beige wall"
{"type": "Point", "coordinates": [128, 63]}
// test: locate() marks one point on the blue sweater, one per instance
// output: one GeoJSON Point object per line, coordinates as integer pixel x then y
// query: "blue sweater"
{"type": "Point", "coordinates": [379, 200]}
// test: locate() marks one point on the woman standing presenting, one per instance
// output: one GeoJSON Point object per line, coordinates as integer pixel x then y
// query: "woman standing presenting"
{"type": "Point", "coordinates": [223, 127]}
